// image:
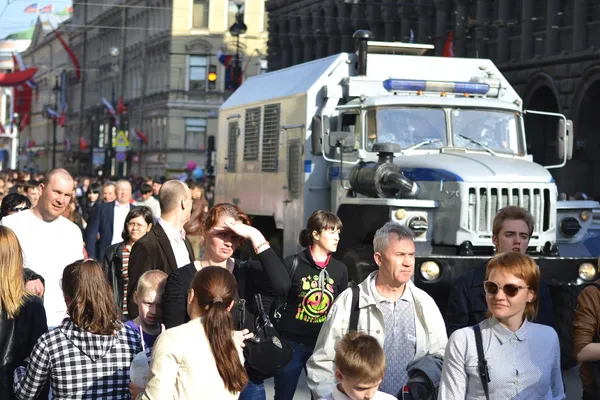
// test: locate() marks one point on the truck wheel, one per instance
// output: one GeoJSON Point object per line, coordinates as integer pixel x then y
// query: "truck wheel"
{"type": "Point", "coordinates": [360, 263]}
{"type": "Point", "coordinates": [565, 303]}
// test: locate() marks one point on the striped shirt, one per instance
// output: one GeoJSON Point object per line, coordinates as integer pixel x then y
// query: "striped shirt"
{"type": "Point", "coordinates": [125, 274]}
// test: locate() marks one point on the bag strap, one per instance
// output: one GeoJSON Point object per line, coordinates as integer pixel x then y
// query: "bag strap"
{"type": "Point", "coordinates": [241, 281]}
{"type": "Point", "coordinates": [354, 310]}
{"type": "Point", "coordinates": [294, 266]}
{"type": "Point", "coordinates": [481, 362]}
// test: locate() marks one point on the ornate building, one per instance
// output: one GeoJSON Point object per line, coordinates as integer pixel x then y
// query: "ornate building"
{"type": "Point", "coordinates": [156, 55]}
{"type": "Point", "coordinates": [547, 49]}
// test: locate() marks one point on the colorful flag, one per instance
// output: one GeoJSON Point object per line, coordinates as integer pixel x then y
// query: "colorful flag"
{"type": "Point", "coordinates": [449, 46]}
{"type": "Point", "coordinates": [111, 110]}
{"type": "Point", "coordinates": [62, 118]}
{"type": "Point", "coordinates": [223, 58]}
{"type": "Point", "coordinates": [69, 51]}
{"type": "Point", "coordinates": [121, 107]}
{"type": "Point", "coordinates": [140, 136]}
{"type": "Point", "coordinates": [68, 144]}
{"type": "Point", "coordinates": [31, 9]}
{"type": "Point", "coordinates": [2, 130]}
{"type": "Point", "coordinates": [47, 9]}
{"type": "Point", "coordinates": [82, 143]}
{"type": "Point", "coordinates": [52, 114]}
{"type": "Point", "coordinates": [412, 37]}
{"type": "Point", "coordinates": [24, 122]}
{"type": "Point", "coordinates": [69, 10]}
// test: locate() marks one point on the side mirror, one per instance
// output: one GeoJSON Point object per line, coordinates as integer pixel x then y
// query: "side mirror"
{"type": "Point", "coordinates": [343, 140]}
{"type": "Point", "coordinates": [316, 137]}
{"type": "Point", "coordinates": [570, 139]}
{"type": "Point", "coordinates": [565, 139]}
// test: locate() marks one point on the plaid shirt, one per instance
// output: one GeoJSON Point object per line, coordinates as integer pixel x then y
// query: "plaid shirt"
{"type": "Point", "coordinates": [79, 364]}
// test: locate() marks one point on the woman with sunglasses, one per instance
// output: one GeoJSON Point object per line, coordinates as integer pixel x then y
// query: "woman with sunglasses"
{"type": "Point", "coordinates": [523, 358]}
{"type": "Point", "coordinates": [12, 203]}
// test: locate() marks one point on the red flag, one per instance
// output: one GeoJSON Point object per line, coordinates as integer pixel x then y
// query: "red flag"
{"type": "Point", "coordinates": [62, 118]}
{"type": "Point", "coordinates": [70, 53]}
{"type": "Point", "coordinates": [24, 122]}
{"type": "Point", "coordinates": [48, 9]}
{"type": "Point", "coordinates": [140, 135]}
{"type": "Point", "coordinates": [449, 46]}
{"type": "Point", "coordinates": [82, 143]}
{"type": "Point", "coordinates": [121, 107]}
{"type": "Point", "coordinates": [2, 130]}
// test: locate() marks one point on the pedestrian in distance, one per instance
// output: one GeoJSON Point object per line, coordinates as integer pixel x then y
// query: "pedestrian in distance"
{"type": "Point", "coordinates": [148, 200]}
{"type": "Point", "coordinates": [109, 192]}
{"type": "Point", "coordinates": [224, 230]}
{"type": "Point", "coordinates": [88, 355]}
{"type": "Point", "coordinates": [521, 358]}
{"type": "Point", "coordinates": [359, 369]}
{"type": "Point", "coordinates": [165, 247]}
{"type": "Point", "coordinates": [49, 241]}
{"type": "Point", "coordinates": [90, 200]}
{"type": "Point", "coordinates": [316, 280]}
{"type": "Point", "coordinates": [13, 203]}
{"type": "Point", "coordinates": [200, 358]}
{"type": "Point", "coordinates": [22, 315]}
{"type": "Point", "coordinates": [138, 223]}
{"type": "Point", "coordinates": [403, 318]}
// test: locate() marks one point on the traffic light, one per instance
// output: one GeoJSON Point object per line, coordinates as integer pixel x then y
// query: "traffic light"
{"type": "Point", "coordinates": [212, 77]}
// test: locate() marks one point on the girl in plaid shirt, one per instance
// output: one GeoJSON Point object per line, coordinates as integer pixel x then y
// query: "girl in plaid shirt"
{"type": "Point", "coordinates": [89, 354]}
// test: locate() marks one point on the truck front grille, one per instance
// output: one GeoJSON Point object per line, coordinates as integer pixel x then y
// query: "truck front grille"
{"type": "Point", "coordinates": [486, 200]}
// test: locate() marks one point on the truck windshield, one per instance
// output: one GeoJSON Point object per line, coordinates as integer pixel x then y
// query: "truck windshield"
{"type": "Point", "coordinates": [479, 129]}
{"type": "Point", "coordinates": [407, 127]}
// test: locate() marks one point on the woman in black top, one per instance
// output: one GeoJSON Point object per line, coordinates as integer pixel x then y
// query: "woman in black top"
{"type": "Point", "coordinates": [223, 230]}
{"type": "Point", "coordinates": [317, 279]}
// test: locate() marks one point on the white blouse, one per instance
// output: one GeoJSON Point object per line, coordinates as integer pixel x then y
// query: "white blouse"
{"type": "Point", "coordinates": [522, 365]}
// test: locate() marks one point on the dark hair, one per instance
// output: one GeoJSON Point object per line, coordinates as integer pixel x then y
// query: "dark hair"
{"type": "Point", "coordinates": [139, 211]}
{"type": "Point", "coordinates": [91, 305]}
{"type": "Point", "coordinates": [195, 224]}
{"type": "Point", "coordinates": [214, 290]}
{"type": "Point", "coordinates": [319, 221]}
{"type": "Point", "coordinates": [145, 188]}
{"type": "Point", "coordinates": [31, 184]}
{"type": "Point", "coordinates": [94, 187]}
{"type": "Point", "coordinates": [194, 185]}
{"type": "Point", "coordinates": [10, 201]}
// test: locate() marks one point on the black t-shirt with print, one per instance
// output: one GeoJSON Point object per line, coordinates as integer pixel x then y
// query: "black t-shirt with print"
{"type": "Point", "coordinates": [311, 296]}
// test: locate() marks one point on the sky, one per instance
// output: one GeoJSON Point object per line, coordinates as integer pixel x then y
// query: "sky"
{"type": "Point", "coordinates": [15, 19]}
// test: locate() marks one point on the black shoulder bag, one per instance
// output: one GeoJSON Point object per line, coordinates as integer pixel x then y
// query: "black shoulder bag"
{"type": "Point", "coordinates": [481, 362]}
{"type": "Point", "coordinates": [354, 310]}
{"type": "Point", "coordinates": [266, 353]}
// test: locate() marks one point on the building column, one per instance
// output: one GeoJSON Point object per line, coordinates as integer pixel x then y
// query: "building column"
{"type": "Point", "coordinates": [481, 29]}
{"type": "Point", "coordinates": [460, 29]}
{"type": "Point", "coordinates": [308, 37]}
{"type": "Point", "coordinates": [503, 38]}
{"type": "Point", "coordinates": [320, 34]}
{"type": "Point", "coordinates": [332, 29]}
{"type": "Point", "coordinates": [552, 22]}
{"type": "Point", "coordinates": [373, 19]}
{"type": "Point", "coordinates": [441, 25]}
{"type": "Point", "coordinates": [527, 28]}
{"type": "Point", "coordinates": [405, 18]}
{"type": "Point", "coordinates": [579, 24]}
{"type": "Point", "coordinates": [425, 17]}
{"type": "Point", "coordinates": [297, 42]}
{"type": "Point", "coordinates": [389, 15]}
{"type": "Point", "coordinates": [286, 44]}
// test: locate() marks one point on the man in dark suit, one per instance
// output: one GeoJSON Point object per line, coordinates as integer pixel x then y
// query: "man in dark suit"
{"type": "Point", "coordinates": [108, 221]}
{"type": "Point", "coordinates": [511, 231]}
{"type": "Point", "coordinates": [165, 246]}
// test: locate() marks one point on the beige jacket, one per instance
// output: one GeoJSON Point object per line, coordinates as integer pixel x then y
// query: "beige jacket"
{"type": "Point", "coordinates": [183, 366]}
{"type": "Point", "coordinates": [430, 331]}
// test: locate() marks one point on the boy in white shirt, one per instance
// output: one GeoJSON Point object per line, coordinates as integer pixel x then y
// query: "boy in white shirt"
{"type": "Point", "coordinates": [360, 367]}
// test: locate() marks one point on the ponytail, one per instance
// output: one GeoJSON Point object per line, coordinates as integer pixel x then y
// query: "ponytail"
{"type": "Point", "coordinates": [214, 289]}
{"type": "Point", "coordinates": [305, 239]}
{"type": "Point", "coordinates": [219, 323]}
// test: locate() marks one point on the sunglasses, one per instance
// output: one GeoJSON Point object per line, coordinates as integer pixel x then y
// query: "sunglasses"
{"type": "Point", "coordinates": [510, 289]}
{"type": "Point", "coordinates": [17, 209]}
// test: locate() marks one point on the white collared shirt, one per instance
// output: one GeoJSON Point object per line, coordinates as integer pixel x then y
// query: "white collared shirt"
{"type": "Point", "coordinates": [119, 222]}
{"type": "Point", "coordinates": [338, 395]}
{"type": "Point", "coordinates": [182, 256]}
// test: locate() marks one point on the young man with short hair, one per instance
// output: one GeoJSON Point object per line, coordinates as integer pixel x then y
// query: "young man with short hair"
{"type": "Point", "coordinates": [148, 200]}
{"type": "Point", "coordinates": [511, 230]}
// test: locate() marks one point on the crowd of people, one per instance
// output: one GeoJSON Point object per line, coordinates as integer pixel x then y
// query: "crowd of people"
{"type": "Point", "coordinates": [150, 278]}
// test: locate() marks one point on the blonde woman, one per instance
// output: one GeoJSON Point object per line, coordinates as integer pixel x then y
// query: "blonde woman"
{"type": "Point", "coordinates": [22, 315]}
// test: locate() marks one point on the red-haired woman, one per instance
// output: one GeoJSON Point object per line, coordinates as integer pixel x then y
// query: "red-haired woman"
{"type": "Point", "coordinates": [200, 358]}
{"type": "Point", "coordinates": [89, 354]}
{"type": "Point", "coordinates": [223, 230]}
{"type": "Point", "coordinates": [523, 358]}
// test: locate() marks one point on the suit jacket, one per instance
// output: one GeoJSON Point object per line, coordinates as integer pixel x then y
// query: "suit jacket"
{"type": "Point", "coordinates": [153, 251]}
{"type": "Point", "coordinates": [102, 222]}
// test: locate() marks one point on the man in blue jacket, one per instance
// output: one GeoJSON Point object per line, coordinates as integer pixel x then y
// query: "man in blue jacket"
{"type": "Point", "coordinates": [511, 231]}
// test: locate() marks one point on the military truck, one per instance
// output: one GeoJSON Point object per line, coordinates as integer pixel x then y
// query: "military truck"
{"type": "Point", "coordinates": [387, 134]}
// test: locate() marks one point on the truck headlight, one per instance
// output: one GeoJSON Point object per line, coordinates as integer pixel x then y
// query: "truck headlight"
{"type": "Point", "coordinates": [587, 271]}
{"type": "Point", "coordinates": [585, 215]}
{"type": "Point", "coordinates": [430, 270]}
{"type": "Point", "coordinates": [569, 227]}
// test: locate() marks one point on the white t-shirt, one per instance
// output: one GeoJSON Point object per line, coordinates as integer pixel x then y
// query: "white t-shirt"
{"type": "Point", "coordinates": [337, 395]}
{"type": "Point", "coordinates": [48, 247]}
{"type": "Point", "coordinates": [119, 222]}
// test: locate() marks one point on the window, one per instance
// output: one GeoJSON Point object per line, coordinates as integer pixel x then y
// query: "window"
{"type": "Point", "coordinates": [195, 133]}
{"type": "Point", "coordinates": [200, 14]}
{"type": "Point", "coordinates": [197, 73]}
{"type": "Point", "coordinates": [252, 134]}
{"type": "Point", "coordinates": [232, 11]}
{"type": "Point", "coordinates": [232, 134]}
{"type": "Point", "coordinates": [270, 144]}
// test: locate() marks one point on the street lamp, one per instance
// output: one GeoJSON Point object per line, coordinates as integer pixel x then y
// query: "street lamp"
{"type": "Point", "coordinates": [55, 93]}
{"type": "Point", "coordinates": [237, 29]}
{"type": "Point", "coordinates": [114, 53]}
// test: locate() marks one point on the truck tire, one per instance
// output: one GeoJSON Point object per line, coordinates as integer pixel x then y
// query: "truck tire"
{"type": "Point", "coordinates": [565, 302]}
{"type": "Point", "coordinates": [360, 263]}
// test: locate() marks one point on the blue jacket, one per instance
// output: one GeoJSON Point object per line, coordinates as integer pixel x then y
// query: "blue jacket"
{"type": "Point", "coordinates": [467, 306]}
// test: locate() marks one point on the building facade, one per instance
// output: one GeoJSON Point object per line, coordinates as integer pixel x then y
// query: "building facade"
{"type": "Point", "coordinates": [547, 49]}
{"type": "Point", "coordinates": [156, 56]}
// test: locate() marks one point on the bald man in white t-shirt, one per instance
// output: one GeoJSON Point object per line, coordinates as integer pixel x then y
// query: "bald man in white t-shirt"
{"type": "Point", "coordinates": [49, 241]}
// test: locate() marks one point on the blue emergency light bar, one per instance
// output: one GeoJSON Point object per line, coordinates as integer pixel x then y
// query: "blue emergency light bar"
{"type": "Point", "coordinates": [413, 85]}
